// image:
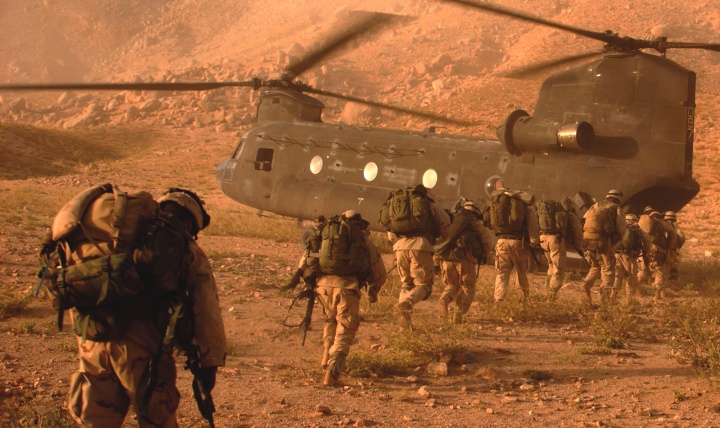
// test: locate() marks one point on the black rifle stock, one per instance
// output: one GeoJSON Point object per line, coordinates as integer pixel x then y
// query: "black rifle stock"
{"type": "Point", "coordinates": [202, 395]}
{"type": "Point", "coordinates": [309, 294]}
{"type": "Point", "coordinates": [294, 281]}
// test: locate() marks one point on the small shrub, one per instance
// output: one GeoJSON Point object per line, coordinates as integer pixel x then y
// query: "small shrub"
{"type": "Point", "coordinates": [50, 416]}
{"type": "Point", "coordinates": [364, 363]}
{"type": "Point", "coordinates": [610, 326]}
{"type": "Point", "coordinates": [28, 327]}
{"type": "Point", "coordinates": [695, 332]}
{"type": "Point", "coordinates": [12, 304]}
{"type": "Point", "coordinates": [702, 275]}
{"type": "Point", "coordinates": [537, 375]}
{"type": "Point", "coordinates": [595, 350]}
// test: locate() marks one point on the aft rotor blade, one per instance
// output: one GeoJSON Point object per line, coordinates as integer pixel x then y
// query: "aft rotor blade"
{"type": "Point", "coordinates": [135, 86]}
{"type": "Point", "coordinates": [604, 37]}
{"type": "Point", "coordinates": [365, 22]}
{"type": "Point", "coordinates": [528, 71]}
{"type": "Point", "coordinates": [412, 112]}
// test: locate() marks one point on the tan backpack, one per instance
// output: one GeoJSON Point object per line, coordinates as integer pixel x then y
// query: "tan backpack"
{"type": "Point", "coordinates": [88, 262]}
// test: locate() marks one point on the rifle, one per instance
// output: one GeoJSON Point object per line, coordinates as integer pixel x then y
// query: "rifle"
{"type": "Point", "coordinates": [201, 392]}
{"type": "Point", "coordinates": [307, 293]}
{"type": "Point", "coordinates": [294, 281]}
{"type": "Point", "coordinates": [582, 255]}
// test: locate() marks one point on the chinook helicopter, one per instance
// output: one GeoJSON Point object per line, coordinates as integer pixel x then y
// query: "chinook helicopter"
{"type": "Point", "coordinates": [623, 121]}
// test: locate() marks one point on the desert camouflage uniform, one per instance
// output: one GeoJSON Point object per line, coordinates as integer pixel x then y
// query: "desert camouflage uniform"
{"type": "Point", "coordinates": [415, 264]}
{"type": "Point", "coordinates": [663, 238]}
{"type": "Point", "coordinates": [110, 374]}
{"type": "Point", "coordinates": [555, 248]}
{"type": "Point", "coordinates": [600, 254]}
{"type": "Point", "coordinates": [512, 253]}
{"type": "Point", "coordinates": [626, 262]}
{"type": "Point", "coordinates": [460, 276]}
{"type": "Point", "coordinates": [340, 299]}
{"type": "Point", "coordinates": [674, 253]}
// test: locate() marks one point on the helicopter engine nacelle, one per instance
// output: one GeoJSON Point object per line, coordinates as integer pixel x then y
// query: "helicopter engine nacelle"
{"type": "Point", "coordinates": [522, 133]}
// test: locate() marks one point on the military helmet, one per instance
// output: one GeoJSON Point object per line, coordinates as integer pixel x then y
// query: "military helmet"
{"type": "Point", "coordinates": [191, 202]}
{"type": "Point", "coordinates": [631, 218]}
{"type": "Point", "coordinates": [648, 210]}
{"type": "Point", "coordinates": [670, 216]}
{"type": "Point", "coordinates": [568, 204]}
{"type": "Point", "coordinates": [614, 194]}
{"type": "Point", "coordinates": [470, 206]}
{"type": "Point", "coordinates": [351, 213]}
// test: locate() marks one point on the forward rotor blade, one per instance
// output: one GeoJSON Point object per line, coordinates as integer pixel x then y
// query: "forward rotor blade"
{"type": "Point", "coordinates": [135, 86]}
{"type": "Point", "coordinates": [688, 45]}
{"type": "Point", "coordinates": [528, 71]}
{"type": "Point", "coordinates": [412, 112]}
{"type": "Point", "coordinates": [604, 37]}
{"type": "Point", "coordinates": [363, 23]}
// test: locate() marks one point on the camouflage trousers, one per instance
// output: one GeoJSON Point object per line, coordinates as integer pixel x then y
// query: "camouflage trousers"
{"type": "Point", "coordinates": [626, 266]}
{"type": "Point", "coordinates": [417, 273]}
{"type": "Point", "coordinates": [601, 257]}
{"type": "Point", "coordinates": [556, 255]}
{"type": "Point", "coordinates": [341, 307]}
{"type": "Point", "coordinates": [510, 254]}
{"type": "Point", "coordinates": [459, 278]}
{"type": "Point", "coordinates": [111, 376]}
{"type": "Point", "coordinates": [658, 268]}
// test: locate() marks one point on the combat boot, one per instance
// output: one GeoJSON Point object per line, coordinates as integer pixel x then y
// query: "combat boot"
{"type": "Point", "coordinates": [444, 314]}
{"type": "Point", "coordinates": [325, 355]}
{"type": "Point", "coordinates": [404, 311]}
{"type": "Point", "coordinates": [330, 379]}
{"type": "Point", "coordinates": [587, 298]}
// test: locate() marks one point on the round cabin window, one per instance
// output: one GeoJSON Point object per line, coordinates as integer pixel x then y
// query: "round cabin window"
{"type": "Point", "coordinates": [316, 165]}
{"type": "Point", "coordinates": [371, 171]}
{"type": "Point", "coordinates": [430, 178]}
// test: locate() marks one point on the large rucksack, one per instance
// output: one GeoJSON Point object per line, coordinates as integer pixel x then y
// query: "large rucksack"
{"type": "Point", "coordinates": [407, 212]}
{"type": "Point", "coordinates": [632, 242]}
{"type": "Point", "coordinates": [650, 226]}
{"type": "Point", "coordinates": [600, 221]}
{"type": "Point", "coordinates": [507, 214]}
{"type": "Point", "coordinates": [463, 240]}
{"type": "Point", "coordinates": [339, 247]}
{"type": "Point", "coordinates": [552, 217]}
{"type": "Point", "coordinates": [88, 260]}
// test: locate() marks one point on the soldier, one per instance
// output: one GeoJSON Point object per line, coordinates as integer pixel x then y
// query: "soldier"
{"type": "Point", "coordinates": [634, 243]}
{"type": "Point", "coordinates": [604, 227]}
{"type": "Point", "coordinates": [515, 224]}
{"type": "Point", "coordinates": [467, 246]}
{"type": "Point", "coordinates": [674, 251]}
{"type": "Point", "coordinates": [413, 239]}
{"type": "Point", "coordinates": [559, 227]}
{"type": "Point", "coordinates": [113, 374]}
{"type": "Point", "coordinates": [662, 238]}
{"type": "Point", "coordinates": [340, 299]}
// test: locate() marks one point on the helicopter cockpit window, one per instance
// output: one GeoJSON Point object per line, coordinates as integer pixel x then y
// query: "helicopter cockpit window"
{"type": "Point", "coordinates": [430, 178]}
{"type": "Point", "coordinates": [371, 171]}
{"type": "Point", "coordinates": [316, 165]}
{"type": "Point", "coordinates": [493, 183]}
{"type": "Point", "coordinates": [263, 159]}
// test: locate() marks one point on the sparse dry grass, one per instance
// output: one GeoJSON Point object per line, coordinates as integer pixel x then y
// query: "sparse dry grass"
{"type": "Point", "coordinates": [12, 304]}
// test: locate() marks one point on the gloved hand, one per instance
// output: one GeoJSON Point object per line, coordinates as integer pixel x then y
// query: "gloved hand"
{"type": "Point", "coordinates": [372, 296]}
{"type": "Point", "coordinates": [207, 376]}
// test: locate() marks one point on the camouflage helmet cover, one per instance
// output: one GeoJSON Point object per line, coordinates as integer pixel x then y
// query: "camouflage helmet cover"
{"type": "Point", "coordinates": [191, 202]}
{"type": "Point", "coordinates": [614, 194]}
{"type": "Point", "coordinates": [472, 207]}
{"type": "Point", "coordinates": [670, 216]}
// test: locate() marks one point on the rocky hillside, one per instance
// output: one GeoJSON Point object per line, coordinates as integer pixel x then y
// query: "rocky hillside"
{"type": "Point", "coordinates": [447, 59]}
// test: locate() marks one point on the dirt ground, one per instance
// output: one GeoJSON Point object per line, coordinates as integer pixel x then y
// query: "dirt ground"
{"type": "Point", "coordinates": [270, 380]}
